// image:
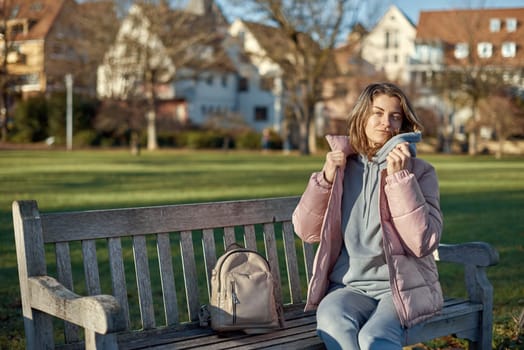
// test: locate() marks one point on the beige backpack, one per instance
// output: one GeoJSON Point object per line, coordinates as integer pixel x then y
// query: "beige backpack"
{"type": "Point", "coordinates": [242, 293]}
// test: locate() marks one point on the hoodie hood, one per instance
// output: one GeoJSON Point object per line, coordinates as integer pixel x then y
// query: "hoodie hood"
{"type": "Point", "coordinates": [411, 137]}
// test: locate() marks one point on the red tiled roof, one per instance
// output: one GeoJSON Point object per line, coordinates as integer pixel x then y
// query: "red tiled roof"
{"type": "Point", "coordinates": [41, 12]}
{"type": "Point", "coordinates": [472, 27]}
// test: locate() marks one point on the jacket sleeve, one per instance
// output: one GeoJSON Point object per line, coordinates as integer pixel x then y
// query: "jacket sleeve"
{"type": "Point", "coordinates": [309, 213]}
{"type": "Point", "coordinates": [414, 203]}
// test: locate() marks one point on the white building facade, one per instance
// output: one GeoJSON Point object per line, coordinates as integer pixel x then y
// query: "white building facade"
{"type": "Point", "coordinates": [390, 44]}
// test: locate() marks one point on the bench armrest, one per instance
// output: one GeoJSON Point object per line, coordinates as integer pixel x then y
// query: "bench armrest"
{"type": "Point", "coordinates": [99, 313]}
{"type": "Point", "coordinates": [471, 253]}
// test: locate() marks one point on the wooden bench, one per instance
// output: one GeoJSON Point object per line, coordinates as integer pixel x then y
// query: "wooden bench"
{"type": "Point", "coordinates": [144, 275]}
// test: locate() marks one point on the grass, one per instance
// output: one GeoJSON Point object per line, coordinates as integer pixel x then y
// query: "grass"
{"type": "Point", "coordinates": [482, 200]}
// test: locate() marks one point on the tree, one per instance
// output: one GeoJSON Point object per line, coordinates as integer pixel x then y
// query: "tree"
{"type": "Point", "coordinates": [501, 113]}
{"type": "Point", "coordinates": [8, 53]}
{"type": "Point", "coordinates": [157, 45]}
{"type": "Point", "coordinates": [307, 32]}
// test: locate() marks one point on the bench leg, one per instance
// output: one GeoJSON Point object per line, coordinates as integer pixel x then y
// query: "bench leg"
{"type": "Point", "coordinates": [96, 341]}
{"type": "Point", "coordinates": [39, 331]}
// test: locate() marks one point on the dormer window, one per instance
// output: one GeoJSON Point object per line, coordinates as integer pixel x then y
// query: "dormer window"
{"type": "Point", "coordinates": [461, 50]}
{"type": "Point", "coordinates": [485, 50]}
{"type": "Point", "coordinates": [509, 49]}
{"type": "Point", "coordinates": [511, 24]}
{"type": "Point", "coordinates": [494, 25]}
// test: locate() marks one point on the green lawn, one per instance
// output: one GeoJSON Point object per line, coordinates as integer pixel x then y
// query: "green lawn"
{"type": "Point", "coordinates": [482, 200]}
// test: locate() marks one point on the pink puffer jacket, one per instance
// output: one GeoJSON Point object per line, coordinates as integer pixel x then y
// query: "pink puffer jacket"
{"type": "Point", "coordinates": [412, 224]}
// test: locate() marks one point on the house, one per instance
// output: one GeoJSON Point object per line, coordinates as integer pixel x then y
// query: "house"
{"type": "Point", "coordinates": [256, 45]}
{"type": "Point", "coordinates": [366, 56]}
{"type": "Point", "coordinates": [199, 67]}
{"type": "Point", "coordinates": [46, 40]}
{"type": "Point", "coordinates": [478, 42]}
{"type": "Point", "coordinates": [389, 45]}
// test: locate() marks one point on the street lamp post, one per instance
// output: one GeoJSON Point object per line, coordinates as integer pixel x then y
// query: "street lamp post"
{"type": "Point", "coordinates": [69, 111]}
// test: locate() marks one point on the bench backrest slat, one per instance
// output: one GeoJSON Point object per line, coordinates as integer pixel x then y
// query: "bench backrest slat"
{"type": "Point", "coordinates": [250, 240]}
{"type": "Point", "coordinates": [210, 255]}
{"type": "Point", "coordinates": [291, 262]}
{"type": "Point", "coordinates": [190, 274]}
{"type": "Point", "coordinates": [272, 257]}
{"type": "Point", "coordinates": [92, 275]}
{"type": "Point", "coordinates": [167, 278]}
{"type": "Point", "coordinates": [75, 226]}
{"type": "Point", "coordinates": [118, 277]}
{"type": "Point", "coordinates": [309, 257]}
{"type": "Point", "coordinates": [143, 280]}
{"type": "Point", "coordinates": [65, 276]}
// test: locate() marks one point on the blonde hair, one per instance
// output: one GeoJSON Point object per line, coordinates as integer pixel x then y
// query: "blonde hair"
{"type": "Point", "coordinates": [360, 113]}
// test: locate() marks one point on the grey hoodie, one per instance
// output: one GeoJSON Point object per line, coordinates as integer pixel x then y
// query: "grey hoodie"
{"type": "Point", "coordinates": [362, 263]}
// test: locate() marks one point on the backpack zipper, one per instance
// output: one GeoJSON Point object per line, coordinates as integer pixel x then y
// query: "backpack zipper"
{"type": "Point", "coordinates": [235, 301]}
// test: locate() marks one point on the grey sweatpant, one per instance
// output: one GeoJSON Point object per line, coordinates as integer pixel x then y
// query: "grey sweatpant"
{"type": "Point", "coordinates": [349, 320]}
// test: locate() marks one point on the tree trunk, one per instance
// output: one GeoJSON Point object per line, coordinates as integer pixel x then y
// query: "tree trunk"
{"type": "Point", "coordinates": [304, 138]}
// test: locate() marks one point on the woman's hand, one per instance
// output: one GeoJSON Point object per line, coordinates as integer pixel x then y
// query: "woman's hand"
{"type": "Point", "coordinates": [334, 159]}
{"type": "Point", "coordinates": [398, 158]}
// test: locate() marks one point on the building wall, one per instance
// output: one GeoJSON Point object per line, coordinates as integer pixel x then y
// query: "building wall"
{"type": "Point", "coordinates": [389, 45]}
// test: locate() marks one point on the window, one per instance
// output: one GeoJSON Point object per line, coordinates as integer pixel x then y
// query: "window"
{"type": "Point", "coordinates": [243, 84]}
{"type": "Point", "coordinates": [209, 80]}
{"type": "Point", "coordinates": [494, 25]}
{"type": "Point", "coordinates": [461, 50]}
{"type": "Point", "coordinates": [387, 39]}
{"type": "Point", "coordinates": [485, 50]}
{"type": "Point", "coordinates": [511, 24]}
{"type": "Point", "coordinates": [509, 49]}
{"type": "Point", "coordinates": [267, 83]}
{"type": "Point", "coordinates": [260, 114]}
{"type": "Point", "coordinates": [224, 80]}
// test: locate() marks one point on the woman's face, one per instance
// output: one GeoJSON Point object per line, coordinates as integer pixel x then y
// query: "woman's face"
{"type": "Point", "coordinates": [385, 119]}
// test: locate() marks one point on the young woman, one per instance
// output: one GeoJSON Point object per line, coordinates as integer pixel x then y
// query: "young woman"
{"type": "Point", "coordinates": [374, 209]}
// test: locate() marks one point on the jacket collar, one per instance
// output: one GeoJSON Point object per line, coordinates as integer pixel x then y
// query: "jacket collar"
{"type": "Point", "coordinates": [340, 143]}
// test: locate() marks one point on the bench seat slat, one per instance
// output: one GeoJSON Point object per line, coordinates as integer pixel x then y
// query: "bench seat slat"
{"type": "Point", "coordinates": [143, 281]}
{"type": "Point", "coordinates": [167, 278]}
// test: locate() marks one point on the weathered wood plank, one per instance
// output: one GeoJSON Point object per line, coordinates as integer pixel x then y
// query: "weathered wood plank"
{"type": "Point", "coordinates": [309, 257]}
{"type": "Point", "coordinates": [118, 277]}
{"type": "Point", "coordinates": [291, 262]}
{"type": "Point", "coordinates": [229, 236]}
{"type": "Point", "coordinates": [210, 255]}
{"type": "Point", "coordinates": [190, 274]}
{"type": "Point", "coordinates": [143, 280]}
{"type": "Point", "coordinates": [471, 253]}
{"type": "Point", "coordinates": [72, 226]}
{"type": "Point", "coordinates": [272, 257]}
{"type": "Point", "coordinates": [100, 313]}
{"type": "Point", "coordinates": [30, 257]}
{"type": "Point", "coordinates": [167, 279]}
{"type": "Point", "coordinates": [92, 275]}
{"type": "Point", "coordinates": [250, 239]}
{"type": "Point", "coordinates": [65, 277]}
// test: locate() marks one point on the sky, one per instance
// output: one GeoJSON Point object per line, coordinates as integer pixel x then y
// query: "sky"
{"type": "Point", "coordinates": [413, 7]}
{"type": "Point", "coordinates": [410, 7]}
